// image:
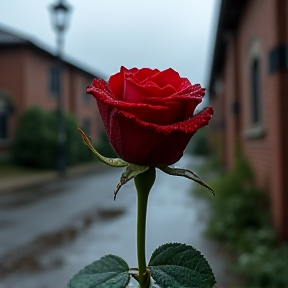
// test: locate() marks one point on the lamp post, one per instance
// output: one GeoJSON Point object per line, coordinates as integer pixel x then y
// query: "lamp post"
{"type": "Point", "coordinates": [59, 16]}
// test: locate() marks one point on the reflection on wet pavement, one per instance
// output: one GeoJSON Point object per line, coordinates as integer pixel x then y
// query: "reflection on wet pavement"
{"type": "Point", "coordinates": [28, 259]}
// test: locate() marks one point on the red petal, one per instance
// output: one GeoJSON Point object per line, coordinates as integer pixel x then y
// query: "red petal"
{"type": "Point", "coordinates": [138, 93]}
{"type": "Point", "coordinates": [144, 112]}
{"type": "Point", "coordinates": [144, 74]}
{"type": "Point", "coordinates": [166, 76]}
{"type": "Point", "coordinates": [149, 144]}
{"type": "Point", "coordinates": [115, 84]}
{"type": "Point", "coordinates": [173, 109]}
{"type": "Point", "coordinates": [191, 125]}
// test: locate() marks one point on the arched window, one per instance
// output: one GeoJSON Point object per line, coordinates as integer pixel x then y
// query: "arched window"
{"type": "Point", "coordinates": [254, 73]}
{"type": "Point", "coordinates": [253, 118]}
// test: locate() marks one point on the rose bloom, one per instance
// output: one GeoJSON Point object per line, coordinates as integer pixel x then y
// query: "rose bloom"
{"type": "Point", "coordinates": [149, 114]}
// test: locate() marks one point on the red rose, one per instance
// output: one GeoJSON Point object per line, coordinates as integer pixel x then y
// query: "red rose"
{"type": "Point", "coordinates": [148, 114]}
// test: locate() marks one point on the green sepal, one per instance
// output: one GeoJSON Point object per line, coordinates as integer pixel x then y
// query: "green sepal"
{"type": "Point", "coordinates": [177, 265]}
{"type": "Point", "coordinates": [114, 162]}
{"type": "Point", "coordinates": [131, 171]}
{"type": "Point", "coordinates": [185, 173]}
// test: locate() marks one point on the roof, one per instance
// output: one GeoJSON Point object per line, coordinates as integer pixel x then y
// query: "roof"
{"type": "Point", "coordinates": [229, 18]}
{"type": "Point", "coordinates": [10, 39]}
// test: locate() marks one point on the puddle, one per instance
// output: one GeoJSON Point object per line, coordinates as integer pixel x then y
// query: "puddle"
{"type": "Point", "coordinates": [110, 214]}
{"type": "Point", "coordinates": [30, 258]}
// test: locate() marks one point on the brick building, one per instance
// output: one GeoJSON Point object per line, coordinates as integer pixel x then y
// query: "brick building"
{"type": "Point", "coordinates": [28, 77]}
{"type": "Point", "coordinates": [249, 90]}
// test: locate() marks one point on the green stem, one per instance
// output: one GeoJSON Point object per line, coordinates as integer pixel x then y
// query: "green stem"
{"type": "Point", "coordinates": [143, 183]}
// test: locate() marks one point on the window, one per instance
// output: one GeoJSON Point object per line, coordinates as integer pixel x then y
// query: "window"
{"type": "Point", "coordinates": [53, 80]}
{"type": "Point", "coordinates": [3, 127]}
{"type": "Point", "coordinates": [255, 92]}
{"type": "Point", "coordinates": [254, 73]}
{"type": "Point", "coordinates": [4, 113]}
{"type": "Point", "coordinates": [254, 128]}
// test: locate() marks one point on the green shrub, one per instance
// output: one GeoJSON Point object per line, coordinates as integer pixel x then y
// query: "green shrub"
{"type": "Point", "coordinates": [265, 267]}
{"type": "Point", "coordinates": [36, 140]}
{"type": "Point", "coordinates": [237, 206]}
{"type": "Point", "coordinates": [76, 150]}
{"type": "Point", "coordinates": [240, 219]}
{"type": "Point", "coordinates": [5, 158]}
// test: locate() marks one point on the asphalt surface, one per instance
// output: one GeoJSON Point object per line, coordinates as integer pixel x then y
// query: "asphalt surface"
{"type": "Point", "coordinates": [50, 232]}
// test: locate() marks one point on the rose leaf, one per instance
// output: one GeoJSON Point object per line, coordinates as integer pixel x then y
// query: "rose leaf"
{"type": "Point", "coordinates": [177, 265]}
{"type": "Point", "coordinates": [110, 272]}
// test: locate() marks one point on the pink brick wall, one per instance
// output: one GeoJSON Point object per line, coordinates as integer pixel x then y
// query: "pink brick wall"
{"type": "Point", "coordinates": [12, 82]}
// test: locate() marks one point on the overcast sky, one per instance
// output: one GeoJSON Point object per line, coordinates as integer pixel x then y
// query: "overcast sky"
{"type": "Point", "coordinates": [103, 35]}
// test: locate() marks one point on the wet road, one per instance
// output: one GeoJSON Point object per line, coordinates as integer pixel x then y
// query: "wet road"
{"type": "Point", "coordinates": [55, 231]}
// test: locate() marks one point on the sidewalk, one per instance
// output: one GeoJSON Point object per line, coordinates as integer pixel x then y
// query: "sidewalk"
{"type": "Point", "coordinates": [31, 180]}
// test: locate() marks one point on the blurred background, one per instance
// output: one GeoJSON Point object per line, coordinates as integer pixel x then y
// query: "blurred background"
{"type": "Point", "coordinates": [56, 207]}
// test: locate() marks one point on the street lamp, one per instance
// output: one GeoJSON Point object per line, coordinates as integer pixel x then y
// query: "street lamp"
{"type": "Point", "coordinates": [59, 15]}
